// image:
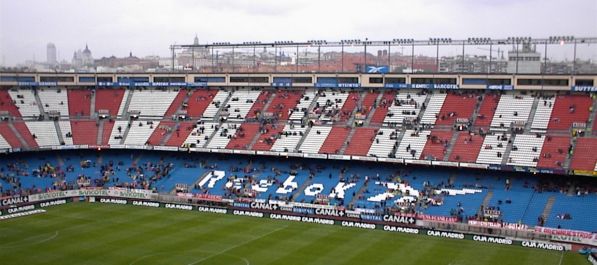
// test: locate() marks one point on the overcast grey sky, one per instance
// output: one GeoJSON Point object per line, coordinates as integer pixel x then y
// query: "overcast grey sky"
{"type": "Point", "coordinates": [115, 27]}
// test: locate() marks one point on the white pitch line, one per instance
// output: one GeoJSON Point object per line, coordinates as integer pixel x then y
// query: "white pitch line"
{"type": "Point", "coordinates": [55, 235]}
{"type": "Point", "coordinates": [48, 239]}
{"type": "Point", "coordinates": [148, 256]}
{"type": "Point", "coordinates": [185, 252]}
{"type": "Point", "coordinates": [237, 245]}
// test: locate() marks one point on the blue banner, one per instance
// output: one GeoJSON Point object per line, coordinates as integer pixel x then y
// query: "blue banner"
{"type": "Point", "coordinates": [197, 84]}
{"type": "Point", "coordinates": [105, 84]}
{"type": "Point", "coordinates": [161, 84]}
{"type": "Point", "coordinates": [584, 88]}
{"type": "Point", "coordinates": [141, 83]}
{"type": "Point", "coordinates": [151, 84]}
{"type": "Point", "coordinates": [421, 86]}
{"type": "Point", "coordinates": [340, 85]}
{"type": "Point", "coordinates": [343, 85]}
{"type": "Point", "coordinates": [37, 83]}
{"type": "Point", "coordinates": [282, 82]}
{"type": "Point", "coordinates": [397, 85]}
{"type": "Point", "coordinates": [324, 85]}
{"type": "Point", "coordinates": [445, 86]}
{"type": "Point", "coordinates": [372, 69]}
{"type": "Point", "coordinates": [500, 87]}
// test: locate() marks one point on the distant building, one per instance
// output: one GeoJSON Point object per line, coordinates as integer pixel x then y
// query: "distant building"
{"type": "Point", "coordinates": [472, 64]}
{"type": "Point", "coordinates": [51, 54]}
{"type": "Point", "coordinates": [524, 61]}
{"type": "Point", "coordinates": [194, 58]}
{"type": "Point", "coordinates": [130, 62]}
{"type": "Point", "coordinates": [83, 58]}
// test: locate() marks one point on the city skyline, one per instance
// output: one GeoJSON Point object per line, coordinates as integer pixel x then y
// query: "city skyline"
{"type": "Point", "coordinates": [114, 31]}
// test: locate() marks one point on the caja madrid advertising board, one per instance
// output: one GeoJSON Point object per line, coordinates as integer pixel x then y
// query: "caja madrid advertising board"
{"type": "Point", "coordinates": [264, 210]}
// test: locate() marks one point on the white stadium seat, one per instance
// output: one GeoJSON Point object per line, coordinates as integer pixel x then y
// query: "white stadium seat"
{"type": "Point", "coordinates": [44, 131]}
{"type": "Point", "coordinates": [152, 102]}
{"type": "Point", "coordinates": [54, 100]}
{"type": "Point", "coordinates": [140, 132]}
{"type": "Point", "coordinates": [314, 140]}
{"type": "Point", "coordinates": [287, 143]}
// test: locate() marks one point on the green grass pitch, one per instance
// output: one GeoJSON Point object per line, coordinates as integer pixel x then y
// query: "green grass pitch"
{"type": "Point", "coordinates": [85, 233]}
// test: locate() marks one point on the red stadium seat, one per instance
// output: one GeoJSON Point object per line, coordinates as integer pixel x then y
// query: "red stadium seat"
{"type": "Point", "coordinates": [243, 136]}
{"type": "Point", "coordinates": [79, 102]}
{"type": "Point", "coordinates": [584, 157]}
{"type": "Point", "coordinates": [266, 140]}
{"type": "Point", "coordinates": [456, 106]}
{"type": "Point", "coordinates": [180, 134]}
{"type": "Point", "coordinates": [25, 133]}
{"type": "Point", "coordinates": [6, 104]}
{"type": "Point", "coordinates": [487, 110]}
{"type": "Point", "coordinates": [199, 101]}
{"type": "Point", "coordinates": [569, 109]}
{"type": "Point", "coordinates": [160, 132]}
{"type": "Point", "coordinates": [361, 141]}
{"type": "Point", "coordinates": [554, 152]}
{"type": "Point", "coordinates": [467, 148]}
{"type": "Point", "coordinates": [259, 104]}
{"type": "Point", "coordinates": [349, 106]}
{"type": "Point", "coordinates": [368, 102]}
{"type": "Point", "coordinates": [176, 103]}
{"type": "Point", "coordinates": [335, 140]}
{"type": "Point", "coordinates": [436, 146]}
{"type": "Point", "coordinates": [108, 125]}
{"type": "Point", "coordinates": [109, 99]}
{"type": "Point", "coordinates": [283, 102]}
{"type": "Point", "coordinates": [84, 132]}
{"type": "Point", "coordinates": [9, 135]}
{"type": "Point", "coordinates": [382, 108]}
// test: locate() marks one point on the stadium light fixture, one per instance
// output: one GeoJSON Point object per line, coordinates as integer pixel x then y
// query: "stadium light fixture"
{"type": "Point", "coordinates": [317, 42]}
{"type": "Point", "coordinates": [403, 41]}
{"type": "Point", "coordinates": [440, 40]}
{"type": "Point", "coordinates": [283, 42]}
{"type": "Point", "coordinates": [560, 39]}
{"type": "Point", "coordinates": [350, 41]}
{"type": "Point", "coordinates": [519, 39]}
{"type": "Point", "coordinates": [482, 40]}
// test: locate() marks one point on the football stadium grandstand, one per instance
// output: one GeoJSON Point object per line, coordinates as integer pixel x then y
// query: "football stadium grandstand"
{"type": "Point", "coordinates": [510, 157]}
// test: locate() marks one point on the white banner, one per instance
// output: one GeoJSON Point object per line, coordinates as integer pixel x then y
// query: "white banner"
{"type": "Point", "coordinates": [246, 152]}
{"type": "Point", "coordinates": [339, 157]}
{"type": "Point", "coordinates": [473, 165]}
{"type": "Point", "coordinates": [112, 192]}
{"type": "Point", "coordinates": [364, 158]}
{"type": "Point", "coordinates": [322, 156]}
{"type": "Point", "coordinates": [165, 148]}
{"type": "Point", "coordinates": [417, 162]}
{"type": "Point", "coordinates": [566, 235]}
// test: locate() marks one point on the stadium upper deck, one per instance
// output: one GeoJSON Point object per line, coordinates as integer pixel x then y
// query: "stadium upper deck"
{"type": "Point", "coordinates": [440, 124]}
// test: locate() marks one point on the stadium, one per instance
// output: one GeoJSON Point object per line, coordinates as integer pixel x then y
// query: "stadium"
{"type": "Point", "coordinates": [493, 163]}
{"type": "Point", "coordinates": [367, 150]}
